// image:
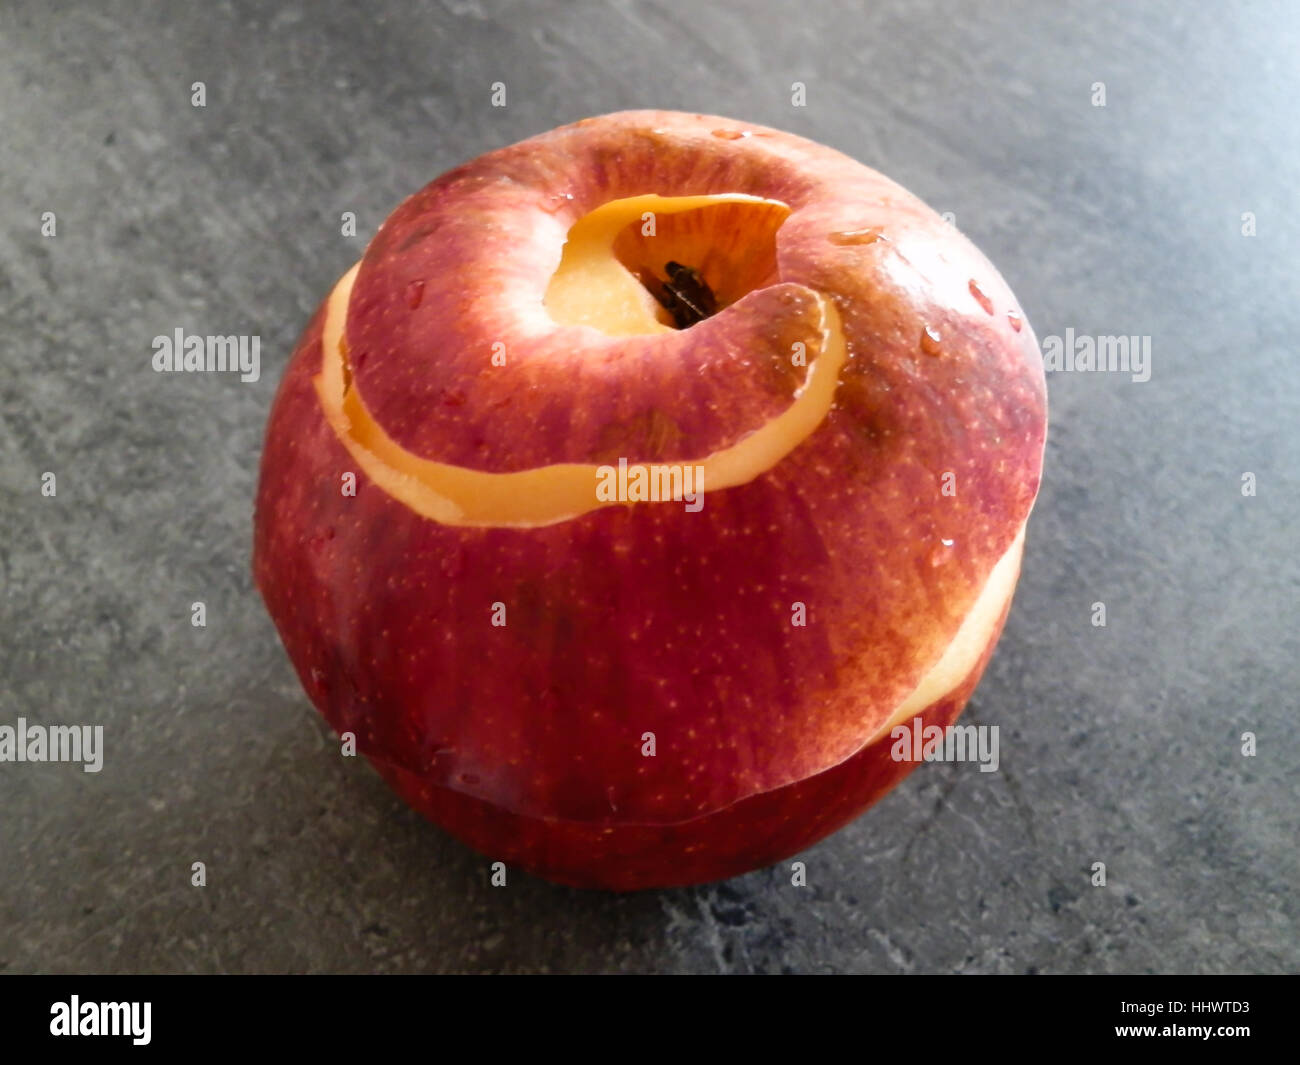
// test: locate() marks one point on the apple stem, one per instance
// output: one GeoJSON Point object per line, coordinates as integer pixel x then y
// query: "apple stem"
{"type": "Point", "coordinates": [686, 295]}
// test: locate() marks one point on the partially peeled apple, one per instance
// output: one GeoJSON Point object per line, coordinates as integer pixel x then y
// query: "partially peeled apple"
{"type": "Point", "coordinates": [636, 692]}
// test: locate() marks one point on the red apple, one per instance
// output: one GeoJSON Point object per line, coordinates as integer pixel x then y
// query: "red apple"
{"type": "Point", "coordinates": [616, 693]}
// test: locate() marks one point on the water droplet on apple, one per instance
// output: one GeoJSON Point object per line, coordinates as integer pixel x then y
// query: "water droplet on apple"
{"type": "Point", "coordinates": [857, 236]}
{"type": "Point", "coordinates": [453, 563]}
{"type": "Point", "coordinates": [414, 294]}
{"type": "Point", "coordinates": [981, 297]}
{"type": "Point", "coordinates": [557, 202]}
{"type": "Point", "coordinates": [317, 541]}
{"type": "Point", "coordinates": [318, 678]}
{"type": "Point", "coordinates": [1014, 318]}
{"type": "Point", "coordinates": [437, 749]}
{"type": "Point", "coordinates": [931, 341]}
{"type": "Point", "coordinates": [940, 555]}
{"type": "Point", "coordinates": [731, 134]}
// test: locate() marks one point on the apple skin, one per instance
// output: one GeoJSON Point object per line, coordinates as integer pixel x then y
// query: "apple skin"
{"type": "Point", "coordinates": [750, 834]}
{"type": "Point", "coordinates": [526, 740]}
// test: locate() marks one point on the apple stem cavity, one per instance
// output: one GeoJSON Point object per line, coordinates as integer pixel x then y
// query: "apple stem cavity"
{"type": "Point", "coordinates": [686, 295]}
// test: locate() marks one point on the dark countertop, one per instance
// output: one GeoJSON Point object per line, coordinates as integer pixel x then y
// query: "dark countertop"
{"type": "Point", "coordinates": [1119, 744]}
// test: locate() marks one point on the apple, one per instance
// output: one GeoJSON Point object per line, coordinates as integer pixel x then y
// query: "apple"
{"type": "Point", "coordinates": [637, 481]}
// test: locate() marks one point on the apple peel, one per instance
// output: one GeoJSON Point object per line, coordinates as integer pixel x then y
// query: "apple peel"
{"type": "Point", "coordinates": [457, 495]}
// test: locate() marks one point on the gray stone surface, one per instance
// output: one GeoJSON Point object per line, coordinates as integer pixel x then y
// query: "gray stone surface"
{"type": "Point", "coordinates": [1119, 744]}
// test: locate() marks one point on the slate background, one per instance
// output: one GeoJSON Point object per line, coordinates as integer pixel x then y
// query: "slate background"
{"type": "Point", "coordinates": [1118, 744]}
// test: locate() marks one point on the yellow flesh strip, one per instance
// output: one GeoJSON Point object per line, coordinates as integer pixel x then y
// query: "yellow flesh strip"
{"type": "Point", "coordinates": [960, 656]}
{"type": "Point", "coordinates": [456, 495]}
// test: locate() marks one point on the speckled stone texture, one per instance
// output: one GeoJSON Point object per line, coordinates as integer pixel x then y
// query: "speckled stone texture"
{"type": "Point", "coordinates": [1119, 744]}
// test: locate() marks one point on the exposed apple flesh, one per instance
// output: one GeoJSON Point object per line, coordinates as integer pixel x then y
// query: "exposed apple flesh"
{"type": "Point", "coordinates": [526, 739]}
{"type": "Point", "coordinates": [598, 281]}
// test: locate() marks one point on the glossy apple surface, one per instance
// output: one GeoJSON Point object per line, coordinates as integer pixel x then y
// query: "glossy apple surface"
{"type": "Point", "coordinates": [474, 369]}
